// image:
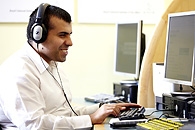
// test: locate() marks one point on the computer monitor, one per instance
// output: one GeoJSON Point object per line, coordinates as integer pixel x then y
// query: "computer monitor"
{"type": "Point", "coordinates": [180, 48]}
{"type": "Point", "coordinates": [130, 47]}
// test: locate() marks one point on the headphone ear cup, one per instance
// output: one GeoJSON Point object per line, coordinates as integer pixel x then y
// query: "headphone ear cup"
{"type": "Point", "coordinates": [39, 33]}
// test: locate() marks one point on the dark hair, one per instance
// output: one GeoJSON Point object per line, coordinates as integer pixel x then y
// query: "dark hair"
{"type": "Point", "coordinates": [49, 12]}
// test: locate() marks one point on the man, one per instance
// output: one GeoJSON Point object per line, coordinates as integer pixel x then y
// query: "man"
{"type": "Point", "coordinates": [34, 91]}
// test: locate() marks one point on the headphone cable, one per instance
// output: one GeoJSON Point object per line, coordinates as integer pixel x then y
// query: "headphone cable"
{"type": "Point", "coordinates": [63, 89]}
{"type": "Point", "coordinates": [61, 86]}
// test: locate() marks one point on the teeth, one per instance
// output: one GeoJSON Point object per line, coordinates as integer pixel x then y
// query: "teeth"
{"type": "Point", "coordinates": [65, 51]}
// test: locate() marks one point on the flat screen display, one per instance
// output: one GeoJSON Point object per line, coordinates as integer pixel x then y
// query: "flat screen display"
{"type": "Point", "coordinates": [180, 43]}
{"type": "Point", "coordinates": [128, 49]}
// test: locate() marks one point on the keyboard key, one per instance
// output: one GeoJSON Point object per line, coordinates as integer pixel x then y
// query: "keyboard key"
{"type": "Point", "coordinates": [133, 113]}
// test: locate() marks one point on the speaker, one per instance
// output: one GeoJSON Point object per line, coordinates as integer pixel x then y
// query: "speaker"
{"type": "Point", "coordinates": [38, 30]}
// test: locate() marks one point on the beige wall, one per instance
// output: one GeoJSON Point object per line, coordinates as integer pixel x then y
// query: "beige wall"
{"type": "Point", "coordinates": [90, 62]}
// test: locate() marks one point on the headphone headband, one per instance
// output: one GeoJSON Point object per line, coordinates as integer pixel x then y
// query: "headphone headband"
{"type": "Point", "coordinates": [41, 12]}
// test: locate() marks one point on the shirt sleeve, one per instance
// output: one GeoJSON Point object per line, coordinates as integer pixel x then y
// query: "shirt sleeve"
{"type": "Point", "coordinates": [86, 110]}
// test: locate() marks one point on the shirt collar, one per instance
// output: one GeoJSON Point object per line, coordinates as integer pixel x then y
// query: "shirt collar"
{"type": "Point", "coordinates": [39, 62]}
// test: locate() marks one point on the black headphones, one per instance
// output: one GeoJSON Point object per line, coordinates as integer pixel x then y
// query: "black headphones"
{"type": "Point", "coordinates": [38, 30]}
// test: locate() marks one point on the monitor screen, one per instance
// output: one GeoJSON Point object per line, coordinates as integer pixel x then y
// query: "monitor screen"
{"type": "Point", "coordinates": [129, 49]}
{"type": "Point", "coordinates": [180, 43]}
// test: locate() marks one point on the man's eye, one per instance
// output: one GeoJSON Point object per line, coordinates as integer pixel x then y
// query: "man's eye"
{"type": "Point", "coordinates": [62, 35]}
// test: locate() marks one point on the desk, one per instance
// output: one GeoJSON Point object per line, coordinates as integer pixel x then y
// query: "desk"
{"type": "Point", "coordinates": [106, 125]}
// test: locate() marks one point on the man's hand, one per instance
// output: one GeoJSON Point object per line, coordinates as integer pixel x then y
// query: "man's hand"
{"type": "Point", "coordinates": [109, 109]}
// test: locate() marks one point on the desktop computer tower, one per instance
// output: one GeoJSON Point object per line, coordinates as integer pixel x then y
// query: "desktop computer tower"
{"type": "Point", "coordinates": [158, 103]}
{"type": "Point", "coordinates": [168, 104]}
{"type": "Point", "coordinates": [191, 106]}
{"type": "Point", "coordinates": [128, 91]}
{"type": "Point", "coordinates": [179, 106]}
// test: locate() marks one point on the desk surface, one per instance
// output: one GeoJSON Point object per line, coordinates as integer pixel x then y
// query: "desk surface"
{"type": "Point", "coordinates": [106, 125]}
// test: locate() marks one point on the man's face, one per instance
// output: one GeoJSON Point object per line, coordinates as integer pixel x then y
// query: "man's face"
{"type": "Point", "coordinates": [58, 41]}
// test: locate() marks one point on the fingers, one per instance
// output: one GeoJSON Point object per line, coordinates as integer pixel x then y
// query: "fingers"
{"type": "Point", "coordinates": [115, 109]}
{"type": "Point", "coordinates": [128, 104]}
{"type": "Point", "coordinates": [112, 109]}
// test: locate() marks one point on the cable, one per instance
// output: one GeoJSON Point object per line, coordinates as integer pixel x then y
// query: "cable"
{"type": "Point", "coordinates": [64, 91]}
{"type": "Point", "coordinates": [160, 111]}
{"type": "Point", "coordinates": [192, 102]}
{"type": "Point", "coordinates": [164, 114]}
{"type": "Point", "coordinates": [193, 87]}
{"type": "Point", "coordinates": [192, 93]}
{"type": "Point", "coordinates": [61, 85]}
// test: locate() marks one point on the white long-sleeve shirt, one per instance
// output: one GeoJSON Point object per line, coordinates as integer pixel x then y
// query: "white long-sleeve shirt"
{"type": "Point", "coordinates": [31, 98]}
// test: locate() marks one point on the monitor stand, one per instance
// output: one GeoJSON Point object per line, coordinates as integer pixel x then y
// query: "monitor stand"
{"type": "Point", "coordinates": [129, 82]}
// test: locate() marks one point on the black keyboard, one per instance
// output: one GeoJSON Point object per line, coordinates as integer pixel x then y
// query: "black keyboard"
{"type": "Point", "coordinates": [133, 113]}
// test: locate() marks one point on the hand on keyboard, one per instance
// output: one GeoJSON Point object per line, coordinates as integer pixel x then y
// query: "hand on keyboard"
{"type": "Point", "coordinates": [133, 113]}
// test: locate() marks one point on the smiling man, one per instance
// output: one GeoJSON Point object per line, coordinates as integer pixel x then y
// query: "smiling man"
{"type": "Point", "coordinates": [34, 90]}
